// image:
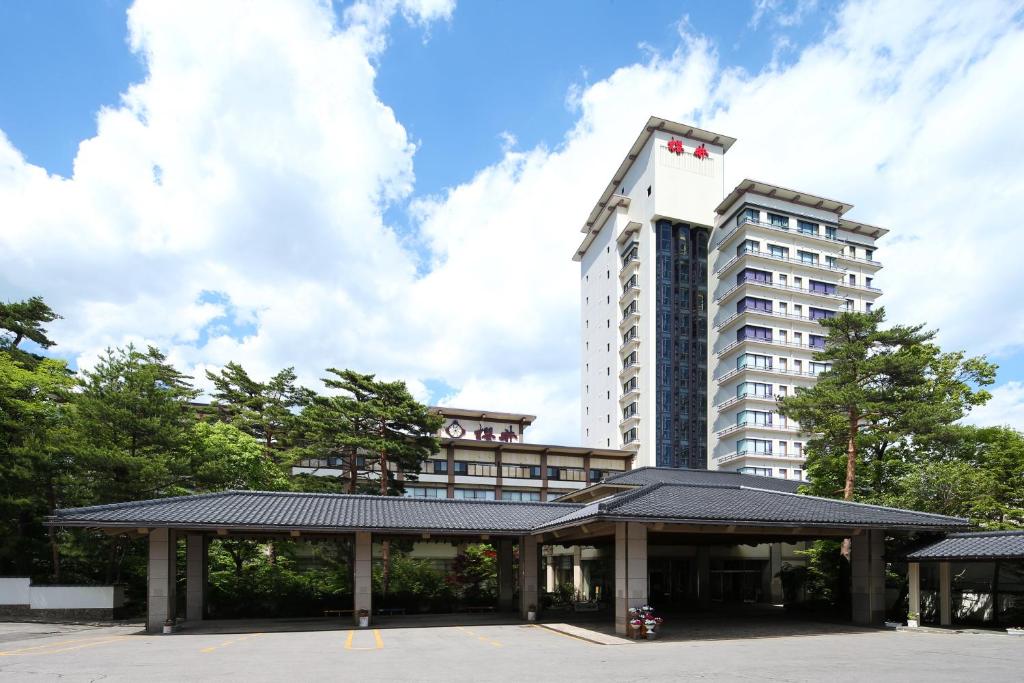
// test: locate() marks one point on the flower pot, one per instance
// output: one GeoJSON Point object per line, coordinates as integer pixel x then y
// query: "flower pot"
{"type": "Point", "coordinates": [912, 623]}
{"type": "Point", "coordinates": [1015, 631]}
{"type": "Point", "coordinates": [364, 622]}
{"type": "Point", "coordinates": [168, 627]}
{"type": "Point", "coordinates": [531, 616]}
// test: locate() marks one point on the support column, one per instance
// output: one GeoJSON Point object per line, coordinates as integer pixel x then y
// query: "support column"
{"type": "Point", "coordinates": [549, 573]}
{"type": "Point", "coordinates": [777, 595]}
{"type": "Point", "coordinates": [506, 581]}
{"type": "Point", "coordinates": [704, 576]}
{"type": "Point", "coordinates": [362, 576]}
{"type": "Point", "coordinates": [630, 570]}
{"type": "Point", "coordinates": [528, 565]}
{"type": "Point", "coordinates": [196, 576]}
{"type": "Point", "coordinates": [163, 563]}
{"type": "Point", "coordinates": [914, 589]}
{"type": "Point", "coordinates": [577, 571]}
{"type": "Point", "coordinates": [867, 559]}
{"type": "Point", "coordinates": [945, 595]}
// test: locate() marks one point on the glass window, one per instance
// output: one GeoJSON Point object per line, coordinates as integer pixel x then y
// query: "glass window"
{"type": "Point", "coordinates": [753, 360]}
{"type": "Point", "coordinates": [831, 262]}
{"type": "Point", "coordinates": [778, 251]}
{"type": "Point", "coordinates": [778, 221]}
{"type": "Point", "coordinates": [760, 446]}
{"type": "Point", "coordinates": [820, 313]}
{"type": "Point", "coordinates": [747, 246]}
{"type": "Point", "coordinates": [753, 303]}
{"type": "Point", "coordinates": [807, 228]}
{"type": "Point", "coordinates": [753, 275]}
{"type": "Point", "coordinates": [753, 417]}
{"type": "Point", "coordinates": [807, 256]}
{"type": "Point", "coordinates": [754, 332]}
{"type": "Point", "coordinates": [869, 254]}
{"type": "Point", "coordinates": [821, 287]}
{"type": "Point", "coordinates": [816, 341]}
{"type": "Point", "coordinates": [524, 496]}
{"type": "Point", "coordinates": [425, 492]}
{"type": "Point", "coordinates": [440, 466]}
{"type": "Point", "coordinates": [749, 214]}
{"type": "Point", "coordinates": [830, 232]}
{"type": "Point", "coordinates": [475, 494]}
{"type": "Point", "coordinates": [461, 467]}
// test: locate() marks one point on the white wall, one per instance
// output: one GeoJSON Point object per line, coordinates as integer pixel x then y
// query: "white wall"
{"type": "Point", "coordinates": [19, 591]}
{"type": "Point", "coordinates": [15, 591]}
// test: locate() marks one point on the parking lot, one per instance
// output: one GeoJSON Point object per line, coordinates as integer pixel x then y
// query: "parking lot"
{"type": "Point", "coordinates": [476, 650]}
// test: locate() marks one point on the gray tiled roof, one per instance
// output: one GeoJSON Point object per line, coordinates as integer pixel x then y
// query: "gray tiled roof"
{"type": "Point", "coordinates": [654, 475]}
{"type": "Point", "coordinates": [988, 545]}
{"type": "Point", "coordinates": [730, 504]}
{"type": "Point", "coordinates": [319, 511]}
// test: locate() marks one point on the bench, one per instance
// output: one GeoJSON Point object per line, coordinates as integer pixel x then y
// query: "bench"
{"type": "Point", "coordinates": [337, 612]}
{"type": "Point", "coordinates": [479, 608]}
{"type": "Point", "coordinates": [391, 611]}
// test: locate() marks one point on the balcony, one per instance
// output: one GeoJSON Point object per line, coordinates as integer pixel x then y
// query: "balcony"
{"type": "Point", "coordinates": [750, 426]}
{"type": "Point", "coordinates": [738, 400]}
{"type": "Point", "coordinates": [860, 288]}
{"type": "Point", "coordinates": [767, 314]}
{"type": "Point", "coordinates": [750, 282]}
{"type": "Point", "coordinates": [782, 457]}
{"type": "Point", "coordinates": [629, 319]}
{"type": "Point", "coordinates": [778, 343]}
{"type": "Point", "coordinates": [871, 263]}
{"type": "Point", "coordinates": [744, 221]}
{"type": "Point", "coordinates": [745, 254]}
{"type": "Point", "coordinates": [631, 420]}
{"type": "Point", "coordinates": [630, 395]}
{"type": "Point", "coordinates": [628, 371]}
{"type": "Point", "coordinates": [629, 268]}
{"type": "Point", "coordinates": [630, 343]}
{"type": "Point", "coordinates": [765, 371]}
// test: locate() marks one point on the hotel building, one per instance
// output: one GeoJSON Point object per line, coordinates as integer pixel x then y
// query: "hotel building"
{"type": "Point", "coordinates": [699, 309]}
{"type": "Point", "coordinates": [780, 261]}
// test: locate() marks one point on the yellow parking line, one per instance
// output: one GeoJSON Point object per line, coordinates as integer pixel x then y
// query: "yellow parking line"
{"type": "Point", "coordinates": [378, 641]}
{"type": "Point", "coordinates": [483, 639]}
{"type": "Point", "coordinates": [62, 646]}
{"type": "Point", "coordinates": [226, 643]}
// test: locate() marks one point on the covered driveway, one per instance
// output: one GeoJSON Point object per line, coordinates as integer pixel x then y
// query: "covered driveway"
{"type": "Point", "coordinates": [711, 509]}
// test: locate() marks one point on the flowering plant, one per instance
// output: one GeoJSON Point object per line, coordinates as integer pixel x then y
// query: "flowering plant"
{"type": "Point", "coordinates": [644, 616]}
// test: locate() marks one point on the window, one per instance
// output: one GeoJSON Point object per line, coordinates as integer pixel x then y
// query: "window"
{"type": "Point", "coordinates": [757, 389]}
{"type": "Point", "coordinates": [807, 256]}
{"type": "Point", "coordinates": [818, 368]}
{"type": "Point", "coordinates": [820, 313]}
{"type": "Point", "coordinates": [783, 336]}
{"type": "Point", "coordinates": [630, 410]}
{"type": "Point", "coordinates": [630, 309]}
{"type": "Point", "coordinates": [807, 228]}
{"type": "Point", "coordinates": [816, 341]}
{"type": "Point", "coordinates": [753, 275]}
{"type": "Point", "coordinates": [630, 334]}
{"type": "Point", "coordinates": [797, 474]}
{"type": "Point", "coordinates": [799, 448]}
{"type": "Point", "coordinates": [596, 475]}
{"type": "Point", "coordinates": [629, 436]}
{"type": "Point", "coordinates": [535, 472]}
{"type": "Point", "coordinates": [798, 366]}
{"type": "Point", "coordinates": [629, 386]}
{"type": "Point", "coordinates": [461, 467]}
{"type": "Point", "coordinates": [853, 279]}
{"type": "Point", "coordinates": [869, 254]}
{"type": "Point", "coordinates": [474, 494]}
{"type": "Point", "coordinates": [868, 306]}
{"type": "Point", "coordinates": [753, 417]}
{"type": "Point", "coordinates": [761, 446]}
{"type": "Point", "coordinates": [783, 390]}
{"type": "Point", "coordinates": [798, 338]}
{"type": "Point", "coordinates": [783, 363]}
{"type": "Point", "coordinates": [783, 279]}
{"type": "Point", "coordinates": [648, 190]}
{"type": "Point", "coordinates": [425, 492]}
{"type": "Point", "coordinates": [849, 304]}
{"type": "Point", "coordinates": [831, 262]}
{"type": "Point", "coordinates": [782, 472]}
{"type": "Point", "coordinates": [753, 332]}
{"type": "Point", "coordinates": [522, 496]}
{"type": "Point", "coordinates": [748, 247]}
{"type": "Point", "coordinates": [867, 282]}
{"type": "Point", "coordinates": [783, 307]}
{"type": "Point", "coordinates": [777, 251]}
{"type": "Point", "coordinates": [782, 448]}
{"type": "Point", "coordinates": [752, 215]}
{"type": "Point", "coordinates": [821, 287]}
{"type": "Point", "coordinates": [756, 471]}
{"type": "Point", "coordinates": [440, 466]}
{"type": "Point", "coordinates": [830, 232]}
{"type": "Point", "coordinates": [630, 283]}
{"type": "Point", "coordinates": [798, 309]}
{"type": "Point", "coordinates": [778, 221]}
{"type": "Point", "coordinates": [750, 303]}
{"type": "Point", "coordinates": [554, 473]}
{"type": "Point", "coordinates": [753, 360]}
{"type": "Point", "coordinates": [798, 282]}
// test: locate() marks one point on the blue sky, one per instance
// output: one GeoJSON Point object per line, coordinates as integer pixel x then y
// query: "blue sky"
{"type": "Point", "coordinates": [397, 185]}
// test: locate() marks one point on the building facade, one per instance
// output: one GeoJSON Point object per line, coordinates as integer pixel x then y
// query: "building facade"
{"type": "Point", "coordinates": [485, 456]}
{"type": "Point", "coordinates": [644, 297]}
{"type": "Point", "coordinates": [698, 310]}
{"type": "Point", "coordinates": [780, 261]}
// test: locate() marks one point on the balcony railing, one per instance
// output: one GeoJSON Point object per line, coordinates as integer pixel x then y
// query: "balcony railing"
{"type": "Point", "coordinates": [768, 342]}
{"type": "Point", "coordinates": [742, 221]}
{"type": "Point", "coordinates": [724, 405]}
{"type": "Point", "coordinates": [761, 427]}
{"type": "Point", "coordinates": [769, 370]}
{"type": "Point", "coordinates": [757, 253]}
{"type": "Point", "coordinates": [772, 314]}
{"type": "Point", "coordinates": [857, 259]}
{"type": "Point", "coordinates": [864, 288]}
{"type": "Point", "coordinates": [774, 285]}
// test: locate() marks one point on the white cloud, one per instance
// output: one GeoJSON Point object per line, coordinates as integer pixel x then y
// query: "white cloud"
{"type": "Point", "coordinates": [256, 161]}
{"type": "Point", "coordinates": [1005, 409]}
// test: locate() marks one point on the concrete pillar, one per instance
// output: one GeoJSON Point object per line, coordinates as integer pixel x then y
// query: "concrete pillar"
{"type": "Point", "coordinates": [528, 565]}
{"type": "Point", "coordinates": [161, 598]}
{"type": "Point", "coordinates": [577, 571]}
{"type": "Point", "coordinates": [549, 573]}
{"type": "Point", "coordinates": [867, 559]}
{"type": "Point", "coordinates": [506, 581]}
{"type": "Point", "coordinates": [630, 570]}
{"type": "Point", "coordinates": [704, 576]}
{"type": "Point", "coordinates": [776, 595]}
{"type": "Point", "coordinates": [945, 595]}
{"type": "Point", "coordinates": [914, 588]}
{"type": "Point", "coordinates": [196, 576]}
{"type": "Point", "coordinates": [362, 575]}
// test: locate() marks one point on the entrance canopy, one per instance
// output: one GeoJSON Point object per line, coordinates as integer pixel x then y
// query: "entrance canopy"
{"type": "Point", "coordinates": [675, 497]}
{"type": "Point", "coordinates": [982, 545]}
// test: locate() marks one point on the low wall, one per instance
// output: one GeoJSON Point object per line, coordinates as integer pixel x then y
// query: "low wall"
{"type": "Point", "coordinates": [19, 598]}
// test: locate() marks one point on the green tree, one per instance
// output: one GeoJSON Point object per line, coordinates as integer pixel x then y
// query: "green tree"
{"type": "Point", "coordinates": [266, 410]}
{"type": "Point", "coordinates": [224, 457]}
{"type": "Point", "coordinates": [25, 320]}
{"type": "Point", "coordinates": [884, 386]}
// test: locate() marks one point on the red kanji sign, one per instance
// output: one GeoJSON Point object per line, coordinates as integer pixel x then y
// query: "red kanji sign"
{"type": "Point", "coordinates": [675, 146]}
{"type": "Point", "coordinates": [701, 152]}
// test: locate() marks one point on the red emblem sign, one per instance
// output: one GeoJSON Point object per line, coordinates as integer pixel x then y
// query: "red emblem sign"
{"type": "Point", "coordinates": [675, 146]}
{"type": "Point", "coordinates": [701, 152]}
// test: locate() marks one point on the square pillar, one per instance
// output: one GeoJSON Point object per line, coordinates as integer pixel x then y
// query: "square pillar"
{"type": "Point", "coordinates": [914, 589]}
{"type": "Point", "coordinates": [196, 576]}
{"type": "Point", "coordinates": [776, 594]}
{"type": "Point", "coordinates": [577, 571]}
{"type": "Point", "coordinates": [867, 559]}
{"type": "Point", "coordinates": [630, 570]}
{"type": "Point", "coordinates": [506, 580]}
{"type": "Point", "coordinates": [161, 575]}
{"type": "Point", "coordinates": [528, 568]}
{"type": "Point", "coordinates": [549, 573]}
{"type": "Point", "coordinates": [945, 595]}
{"type": "Point", "coordinates": [362, 576]}
{"type": "Point", "coordinates": [704, 576]}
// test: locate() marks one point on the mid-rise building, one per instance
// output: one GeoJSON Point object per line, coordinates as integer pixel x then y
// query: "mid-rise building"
{"type": "Point", "coordinates": [698, 310]}
{"type": "Point", "coordinates": [780, 262]}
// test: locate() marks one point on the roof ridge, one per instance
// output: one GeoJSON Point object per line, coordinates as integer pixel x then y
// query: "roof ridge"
{"type": "Point", "coordinates": [853, 502]}
{"type": "Point", "coordinates": [146, 501]}
{"type": "Point", "coordinates": [990, 532]}
{"type": "Point", "coordinates": [627, 496]}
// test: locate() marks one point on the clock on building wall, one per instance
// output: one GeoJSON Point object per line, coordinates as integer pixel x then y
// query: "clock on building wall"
{"type": "Point", "coordinates": [455, 430]}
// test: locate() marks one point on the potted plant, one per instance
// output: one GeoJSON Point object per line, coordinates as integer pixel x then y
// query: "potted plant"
{"type": "Point", "coordinates": [643, 624]}
{"type": "Point", "coordinates": [364, 618]}
{"type": "Point", "coordinates": [531, 613]}
{"type": "Point", "coordinates": [912, 620]}
{"type": "Point", "coordinates": [168, 626]}
{"type": "Point", "coordinates": [1015, 631]}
